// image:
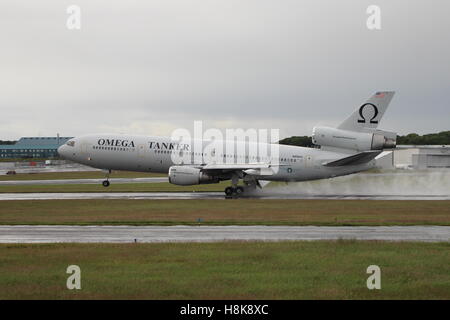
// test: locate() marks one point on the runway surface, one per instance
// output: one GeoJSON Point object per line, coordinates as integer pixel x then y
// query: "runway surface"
{"type": "Point", "coordinates": [24, 167]}
{"type": "Point", "coordinates": [398, 185]}
{"type": "Point", "coordinates": [82, 181]}
{"type": "Point", "coordinates": [124, 234]}
{"type": "Point", "coordinates": [205, 195]}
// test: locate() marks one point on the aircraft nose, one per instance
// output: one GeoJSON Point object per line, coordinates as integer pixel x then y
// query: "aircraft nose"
{"type": "Point", "coordinates": [62, 151]}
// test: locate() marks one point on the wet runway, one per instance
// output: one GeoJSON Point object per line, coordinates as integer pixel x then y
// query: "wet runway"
{"type": "Point", "coordinates": [82, 181]}
{"type": "Point", "coordinates": [124, 234]}
{"type": "Point", "coordinates": [24, 167]}
{"type": "Point", "coordinates": [111, 195]}
{"type": "Point", "coordinates": [205, 195]}
{"type": "Point", "coordinates": [398, 185]}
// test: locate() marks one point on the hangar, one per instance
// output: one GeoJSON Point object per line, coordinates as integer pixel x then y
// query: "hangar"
{"type": "Point", "coordinates": [33, 147]}
{"type": "Point", "coordinates": [418, 157]}
{"type": "Point", "coordinates": [431, 157]}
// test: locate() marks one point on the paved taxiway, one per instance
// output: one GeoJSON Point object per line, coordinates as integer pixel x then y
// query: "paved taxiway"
{"type": "Point", "coordinates": [123, 234]}
{"type": "Point", "coordinates": [204, 195]}
{"type": "Point", "coordinates": [82, 181]}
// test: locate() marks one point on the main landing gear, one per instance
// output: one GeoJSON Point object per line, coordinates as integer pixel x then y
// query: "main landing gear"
{"type": "Point", "coordinates": [106, 183]}
{"type": "Point", "coordinates": [233, 191]}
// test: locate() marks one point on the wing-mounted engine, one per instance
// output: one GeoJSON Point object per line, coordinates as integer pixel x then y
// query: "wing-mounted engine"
{"type": "Point", "coordinates": [187, 176]}
{"type": "Point", "coordinates": [354, 140]}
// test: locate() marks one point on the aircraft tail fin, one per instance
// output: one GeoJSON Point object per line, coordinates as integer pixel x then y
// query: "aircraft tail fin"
{"type": "Point", "coordinates": [369, 114]}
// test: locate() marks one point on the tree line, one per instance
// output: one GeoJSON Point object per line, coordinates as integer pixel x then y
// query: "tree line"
{"type": "Point", "coordinates": [7, 142]}
{"type": "Point", "coordinates": [440, 138]}
{"type": "Point", "coordinates": [427, 139]}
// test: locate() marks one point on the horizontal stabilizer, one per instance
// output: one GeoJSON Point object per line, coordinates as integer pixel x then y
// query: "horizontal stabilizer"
{"type": "Point", "coordinates": [355, 159]}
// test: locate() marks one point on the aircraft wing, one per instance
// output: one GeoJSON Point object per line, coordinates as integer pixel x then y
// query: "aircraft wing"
{"type": "Point", "coordinates": [252, 169]}
{"type": "Point", "coordinates": [355, 159]}
{"type": "Point", "coordinates": [235, 166]}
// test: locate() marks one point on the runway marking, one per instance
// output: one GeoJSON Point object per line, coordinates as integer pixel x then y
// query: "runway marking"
{"type": "Point", "coordinates": [124, 234]}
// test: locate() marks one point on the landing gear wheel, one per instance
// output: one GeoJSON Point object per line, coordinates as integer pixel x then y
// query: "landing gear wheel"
{"type": "Point", "coordinates": [105, 183]}
{"type": "Point", "coordinates": [229, 191]}
{"type": "Point", "coordinates": [233, 192]}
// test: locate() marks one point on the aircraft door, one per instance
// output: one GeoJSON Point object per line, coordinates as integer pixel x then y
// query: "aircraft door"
{"type": "Point", "coordinates": [85, 153]}
{"type": "Point", "coordinates": [141, 151]}
{"type": "Point", "coordinates": [141, 158]}
{"type": "Point", "coordinates": [84, 148]}
{"type": "Point", "coordinates": [308, 161]}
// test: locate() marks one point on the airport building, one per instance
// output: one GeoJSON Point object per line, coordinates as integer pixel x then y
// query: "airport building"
{"type": "Point", "coordinates": [33, 147]}
{"type": "Point", "coordinates": [418, 157]}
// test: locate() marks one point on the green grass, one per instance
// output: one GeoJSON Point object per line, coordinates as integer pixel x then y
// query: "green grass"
{"type": "Point", "coordinates": [226, 212]}
{"type": "Point", "coordinates": [230, 270]}
{"type": "Point", "coordinates": [77, 175]}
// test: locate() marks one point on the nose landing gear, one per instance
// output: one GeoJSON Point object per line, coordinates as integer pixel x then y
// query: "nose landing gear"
{"type": "Point", "coordinates": [106, 183]}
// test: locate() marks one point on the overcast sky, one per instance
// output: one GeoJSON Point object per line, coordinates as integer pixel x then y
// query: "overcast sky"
{"type": "Point", "coordinates": [149, 67]}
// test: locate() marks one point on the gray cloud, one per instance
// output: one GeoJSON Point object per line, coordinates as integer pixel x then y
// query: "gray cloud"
{"type": "Point", "coordinates": [149, 67]}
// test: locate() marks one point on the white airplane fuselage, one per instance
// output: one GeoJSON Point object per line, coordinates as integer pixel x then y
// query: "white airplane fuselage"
{"type": "Point", "coordinates": [155, 154]}
{"type": "Point", "coordinates": [351, 147]}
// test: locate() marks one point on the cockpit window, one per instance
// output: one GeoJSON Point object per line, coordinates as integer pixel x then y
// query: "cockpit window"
{"type": "Point", "coordinates": [71, 143]}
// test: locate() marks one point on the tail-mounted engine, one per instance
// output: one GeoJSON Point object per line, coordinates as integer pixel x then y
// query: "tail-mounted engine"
{"type": "Point", "coordinates": [359, 141]}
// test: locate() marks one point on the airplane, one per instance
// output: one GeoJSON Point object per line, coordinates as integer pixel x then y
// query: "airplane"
{"type": "Point", "coordinates": [352, 147]}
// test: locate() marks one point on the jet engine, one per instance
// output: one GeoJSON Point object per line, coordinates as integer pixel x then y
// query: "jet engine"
{"type": "Point", "coordinates": [354, 140]}
{"type": "Point", "coordinates": [187, 176]}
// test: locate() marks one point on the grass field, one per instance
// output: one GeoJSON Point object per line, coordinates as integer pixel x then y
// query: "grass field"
{"type": "Point", "coordinates": [231, 270]}
{"type": "Point", "coordinates": [223, 212]}
{"type": "Point", "coordinates": [77, 175]}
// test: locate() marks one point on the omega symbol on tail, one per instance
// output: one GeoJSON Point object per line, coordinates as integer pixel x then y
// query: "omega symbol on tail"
{"type": "Point", "coordinates": [375, 113]}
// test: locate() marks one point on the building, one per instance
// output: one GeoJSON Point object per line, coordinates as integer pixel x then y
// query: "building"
{"type": "Point", "coordinates": [431, 157]}
{"type": "Point", "coordinates": [418, 157]}
{"type": "Point", "coordinates": [33, 147]}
